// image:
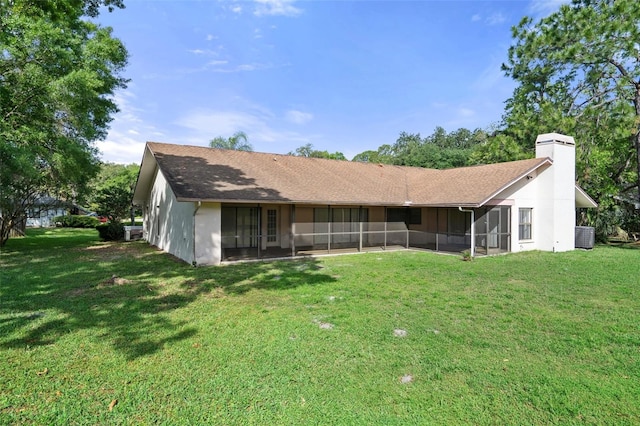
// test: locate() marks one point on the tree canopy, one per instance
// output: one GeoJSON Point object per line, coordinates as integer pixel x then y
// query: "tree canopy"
{"type": "Point", "coordinates": [238, 142]}
{"type": "Point", "coordinates": [58, 74]}
{"type": "Point", "coordinates": [308, 151]}
{"type": "Point", "coordinates": [578, 73]}
{"type": "Point", "coordinates": [440, 150]}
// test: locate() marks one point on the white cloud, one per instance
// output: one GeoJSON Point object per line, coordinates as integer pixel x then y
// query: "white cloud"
{"type": "Point", "coordinates": [495, 18]}
{"type": "Point", "coordinates": [204, 52]}
{"type": "Point", "coordinates": [123, 144]}
{"type": "Point", "coordinates": [298, 117]}
{"type": "Point", "coordinates": [121, 149]}
{"type": "Point", "coordinates": [259, 124]}
{"type": "Point", "coordinates": [236, 9]}
{"type": "Point", "coordinates": [276, 7]}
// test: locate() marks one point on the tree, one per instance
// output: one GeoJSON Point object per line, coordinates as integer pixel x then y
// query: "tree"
{"type": "Point", "coordinates": [58, 73]}
{"type": "Point", "coordinates": [440, 150]}
{"type": "Point", "coordinates": [237, 142]}
{"type": "Point", "coordinates": [578, 72]}
{"type": "Point", "coordinates": [382, 155]}
{"type": "Point", "coordinates": [497, 149]}
{"type": "Point", "coordinates": [308, 151]}
{"type": "Point", "coordinates": [114, 190]}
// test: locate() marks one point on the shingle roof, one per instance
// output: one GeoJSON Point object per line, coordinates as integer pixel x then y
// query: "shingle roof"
{"type": "Point", "coordinates": [207, 174]}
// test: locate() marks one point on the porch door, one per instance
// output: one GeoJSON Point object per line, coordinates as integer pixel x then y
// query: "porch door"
{"type": "Point", "coordinates": [273, 230]}
{"type": "Point", "coordinates": [247, 227]}
{"type": "Point", "coordinates": [494, 228]}
{"type": "Point", "coordinates": [239, 227]}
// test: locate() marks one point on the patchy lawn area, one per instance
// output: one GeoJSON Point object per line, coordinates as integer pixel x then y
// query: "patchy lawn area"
{"type": "Point", "coordinates": [103, 333]}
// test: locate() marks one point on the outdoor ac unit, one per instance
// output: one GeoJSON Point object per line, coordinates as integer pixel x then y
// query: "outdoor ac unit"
{"type": "Point", "coordinates": [585, 237]}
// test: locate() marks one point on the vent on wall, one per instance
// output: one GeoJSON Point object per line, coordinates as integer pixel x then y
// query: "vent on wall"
{"type": "Point", "coordinates": [585, 237]}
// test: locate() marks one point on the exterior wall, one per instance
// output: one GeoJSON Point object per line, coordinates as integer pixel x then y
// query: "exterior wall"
{"type": "Point", "coordinates": [169, 224]}
{"type": "Point", "coordinates": [208, 222]}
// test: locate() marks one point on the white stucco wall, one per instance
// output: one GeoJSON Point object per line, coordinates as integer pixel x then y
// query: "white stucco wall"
{"type": "Point", "coordinates": [169, 224]}
{"type": "Point", "coordinates": [208, 236]}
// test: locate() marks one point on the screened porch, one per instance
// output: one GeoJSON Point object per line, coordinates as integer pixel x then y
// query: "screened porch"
{"type": "Point", "coordinates": [280, 231]}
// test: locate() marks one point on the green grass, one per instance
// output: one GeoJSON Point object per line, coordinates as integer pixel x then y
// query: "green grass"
{"type": "Point", "coordinates": [530, 338]}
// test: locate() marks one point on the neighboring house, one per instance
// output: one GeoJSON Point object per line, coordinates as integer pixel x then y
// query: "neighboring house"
{"type": "Point", "coordinates": [208, 206]}
{"type": "Point", "coordinates": [45, 208]}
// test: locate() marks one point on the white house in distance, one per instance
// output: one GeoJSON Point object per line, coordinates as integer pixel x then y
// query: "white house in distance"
{"type": "Point", "coordinates": [207, 206]}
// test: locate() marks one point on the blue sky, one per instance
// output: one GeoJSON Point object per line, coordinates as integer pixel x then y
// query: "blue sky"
{"type": "Point", "coordinates": [344, 76]}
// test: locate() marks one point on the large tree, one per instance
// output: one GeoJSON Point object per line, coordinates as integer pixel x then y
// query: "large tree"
{"type": "Point", "coordinates": [578, 72]}
{"type": "Point", "coordinates": [58, 72]}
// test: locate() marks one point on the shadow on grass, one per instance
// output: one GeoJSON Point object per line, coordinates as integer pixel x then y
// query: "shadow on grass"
{"type": "Point", "coordinates": [57, 282]}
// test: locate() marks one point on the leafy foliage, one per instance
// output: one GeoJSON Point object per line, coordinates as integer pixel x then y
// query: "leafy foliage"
{"type": "Point", "coordinates": [441, 150]}
{"type": "Point", "coordinates": [111, 231]}
{"type": "Point", "coordinates": [308, 151]}
{"type": "Point", "coordinates": [237, 142]}
{"type": "Point", "coordinates": [114, 191]}
{"type": "Point", "coordinates": [76, 221]}
{"type": "Point", "coordinates": [58, 72]}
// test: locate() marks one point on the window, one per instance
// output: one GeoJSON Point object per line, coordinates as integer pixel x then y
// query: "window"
{"type": "Point", "coordinates": [524, 224]}
{"type": "Point", "coordinates": [272, 226]}
{"type": "Point", "coordinates": [410, 216]}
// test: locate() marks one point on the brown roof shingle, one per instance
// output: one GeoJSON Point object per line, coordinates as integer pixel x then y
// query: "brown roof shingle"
{"type": "Point", "coordinates": [207, 174]}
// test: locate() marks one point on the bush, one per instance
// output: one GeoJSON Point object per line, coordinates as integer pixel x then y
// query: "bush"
{"type": "Point", "coordinates": [111, 231]}
{"type": "Point", "coordinates": [76, 221]}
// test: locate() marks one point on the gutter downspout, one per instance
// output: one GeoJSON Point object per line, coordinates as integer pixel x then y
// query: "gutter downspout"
{"type": "Point", "coordinates": [473, 230]}
{"type": "Point", "coordinates": [195, 212]}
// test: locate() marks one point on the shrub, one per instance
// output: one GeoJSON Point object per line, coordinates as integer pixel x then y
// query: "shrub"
{"type": "Point", "coordinates": [76, 221]}
{"type": "Point", "coordinates": [111, 231]}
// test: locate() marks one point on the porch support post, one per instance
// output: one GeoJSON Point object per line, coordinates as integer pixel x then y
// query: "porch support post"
{"type": "Point", "coordinates": [437, 228]}
{"type": "Point", "coordinates": [329, 229]}
{"type": "Point", "coordinates": [360, 235]}
{"type": "Point", "coordinates": [473, 230]}
{"type": "Point", "coordinates": [259, 236]}
{"type": "Point", "coordinates": [385, 228]}
{"type": "Point", "coordinates": [292, 235]}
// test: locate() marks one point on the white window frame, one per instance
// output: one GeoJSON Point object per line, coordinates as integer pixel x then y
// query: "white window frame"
{"type": "Point", "coordinates": [525, 223]}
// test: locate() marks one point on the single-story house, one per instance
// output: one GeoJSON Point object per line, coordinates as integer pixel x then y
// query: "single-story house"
{"type": "Point", "coordinates": [208, 206]}
{"type": "Point", "coordinates": [44, 210]}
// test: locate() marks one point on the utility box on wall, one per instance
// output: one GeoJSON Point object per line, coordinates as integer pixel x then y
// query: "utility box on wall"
{"type": "Point", "coordinates": [585, 237]}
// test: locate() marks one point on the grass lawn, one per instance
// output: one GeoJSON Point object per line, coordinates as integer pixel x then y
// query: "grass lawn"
{"type": "Point", "coordinates": [379, 338]}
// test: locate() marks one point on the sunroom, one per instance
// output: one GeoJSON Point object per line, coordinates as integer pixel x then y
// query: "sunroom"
{"type": "Point", "coordinates": [273, 231]}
